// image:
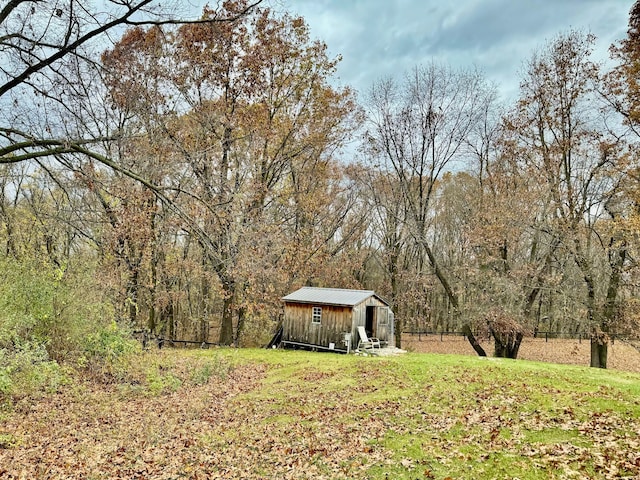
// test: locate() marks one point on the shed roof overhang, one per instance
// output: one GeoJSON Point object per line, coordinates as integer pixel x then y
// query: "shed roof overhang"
{"type": "Point", "coordinates": [330, 296]}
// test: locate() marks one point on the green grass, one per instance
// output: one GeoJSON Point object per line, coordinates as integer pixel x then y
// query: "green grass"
{"type": "Point", "coordinates": [438, 416]}
{"type": "Point", "coordinates": [227, 413]}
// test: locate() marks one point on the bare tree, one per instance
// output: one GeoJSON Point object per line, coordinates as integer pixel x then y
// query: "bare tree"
{"type": "Point", "coordinates": [41, 44]}
{"type": "Point", "coordinates": [418, 129]}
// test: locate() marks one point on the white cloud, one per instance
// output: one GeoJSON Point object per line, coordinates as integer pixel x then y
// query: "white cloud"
{"type": "Point", "coordinates": [378, 38]}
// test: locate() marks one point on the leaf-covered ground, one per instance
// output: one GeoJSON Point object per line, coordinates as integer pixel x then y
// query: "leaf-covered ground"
{"type": "Point", "coordinates": [274, 414]}
{"type": "Point", "coordinates": [622, 355]}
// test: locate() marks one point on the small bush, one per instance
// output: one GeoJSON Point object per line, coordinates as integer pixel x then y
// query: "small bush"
{"type": "Point", "coordinates": [49, 317]}
{"type": "Point", "coordinates": [107, 352]}
{"type": "Point", "coordinates": [162, 382]}
{"type": "Point", "coordinates": [27, 370]}
{"type": "Point", "coordinates": [218, 367]}
{"type": "Point", "coordinates": [55, 306]}
{"type": "Point", "coordinates": [9, 441]}
{"type": "Point", "coordinates": [6, 383]}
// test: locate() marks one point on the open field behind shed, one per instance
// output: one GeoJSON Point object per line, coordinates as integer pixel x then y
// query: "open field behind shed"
{"type": "Point", "coordinates": [622, 356]}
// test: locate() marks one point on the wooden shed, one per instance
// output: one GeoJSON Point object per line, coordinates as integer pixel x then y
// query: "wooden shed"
{"type": "Point", "coordinates": [327, 318]}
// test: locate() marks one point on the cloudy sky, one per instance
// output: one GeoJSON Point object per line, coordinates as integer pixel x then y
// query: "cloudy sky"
{"type": "Point", "coordinates": [378, 38]}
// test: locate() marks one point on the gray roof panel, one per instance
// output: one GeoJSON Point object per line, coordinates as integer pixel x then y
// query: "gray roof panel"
{"type": "Point", "coordinates": [329, 296]}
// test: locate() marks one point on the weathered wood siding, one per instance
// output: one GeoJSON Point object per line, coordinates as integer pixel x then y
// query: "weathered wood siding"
{"type": "Point", "coordinates": [336, 321]}
{"type": "Point", "coordinates": [381, 329]}
{"type": "Point", "coordinates": [384, 324]}
{"type": "Point", "coordinates": [298, 327]}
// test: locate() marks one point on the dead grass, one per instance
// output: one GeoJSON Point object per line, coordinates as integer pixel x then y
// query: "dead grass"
{"type": "Point", "coordinates": [622, 356]}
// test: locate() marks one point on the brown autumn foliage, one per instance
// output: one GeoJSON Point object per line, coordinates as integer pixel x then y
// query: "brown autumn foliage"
{"type": "Point", "coordinates": [235, 127]}
{"type": "Point", "coordinates": [243, 120]}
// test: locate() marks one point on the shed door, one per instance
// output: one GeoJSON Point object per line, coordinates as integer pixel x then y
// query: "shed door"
{"type": "Point", "coordinates": [382, 317]}
{"type": "Point", "coordinates": [370, 323]}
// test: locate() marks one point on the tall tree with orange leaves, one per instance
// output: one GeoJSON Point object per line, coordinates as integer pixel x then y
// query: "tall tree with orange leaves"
{"type": "Point", "coordinates": [251, 124]}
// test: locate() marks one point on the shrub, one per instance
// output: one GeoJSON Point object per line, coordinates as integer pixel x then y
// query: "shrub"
{"type": "Point", "coordinates": [158, 382]}
{"type": "Point", "coordinates": [48, 306]}
{"type": "Point", "coordinates": [218, 367]}
{"type": "Point", "coordinates": [5, 380]}
{"type": "Point", "coordinates": [27, 370]}
{"type": "Point", "coordinates": [50, 316]}
{"type": "Point", "coordinates": [107, 350]}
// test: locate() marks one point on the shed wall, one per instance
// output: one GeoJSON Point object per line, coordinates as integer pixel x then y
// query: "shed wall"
{"type": "Point", "coordinates": [298, 327]}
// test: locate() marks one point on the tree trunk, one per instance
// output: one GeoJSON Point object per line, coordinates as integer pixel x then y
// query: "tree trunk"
{"type": "Point", "coordinates": [204, 307]}
{"type": "Point", "coordinates": [397, 327]}
{"type": "Point", "coordinates": [453, 299]}
{"type": "Point", "coordinates": [600, 336]}
{"type": "Point", "coordinates": [131, 300]}
{"type": "Point", "coordinates": [599, 339]}
{"type": "Point", "coordinates": [599, 350]}
{"type": "Point", "coordinates": [170, 320]}
{"type": "Point", "coordinates": [226, 326]}
{"type": "Point", "coordinates": [466, 329]}
{"type": "Point", "coordinates": [153, 287]}
{"type": "Point", "coordinates": [507, 347]}
{"type": "Point", "coordinates": [242, 314]}
{"type": "Point", "coordinates": [515, 348]}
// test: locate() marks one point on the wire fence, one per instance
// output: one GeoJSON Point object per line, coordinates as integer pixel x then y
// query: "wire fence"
{"type": "Point", "coordinates": [148, 339]}
{"type": "Point", "coordinates": [580, 336]}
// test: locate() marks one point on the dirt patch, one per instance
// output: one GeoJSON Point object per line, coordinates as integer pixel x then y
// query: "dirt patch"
{"type": "Point", "coordinates": [574, 352]}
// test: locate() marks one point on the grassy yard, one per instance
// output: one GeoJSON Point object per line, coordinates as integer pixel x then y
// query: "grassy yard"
{"type": "Point", "coordinates": [283, 414]}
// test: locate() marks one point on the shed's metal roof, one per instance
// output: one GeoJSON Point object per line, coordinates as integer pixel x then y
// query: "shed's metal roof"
{"type": "Point", "coordinates": [329, 296]}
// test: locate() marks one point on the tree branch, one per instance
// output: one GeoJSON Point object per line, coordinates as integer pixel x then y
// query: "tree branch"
{"type": "Point", "coordinates": [70, 48]}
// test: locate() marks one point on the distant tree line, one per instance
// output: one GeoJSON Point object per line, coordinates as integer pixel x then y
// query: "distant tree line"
{"type": "Point", "coordinates": [196, 171]}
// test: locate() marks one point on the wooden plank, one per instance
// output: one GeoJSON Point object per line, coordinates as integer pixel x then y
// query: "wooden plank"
{"type": "Point", "coordinates": [298, 325]}
{"type": "Point", "coordinates": [317, 347]}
